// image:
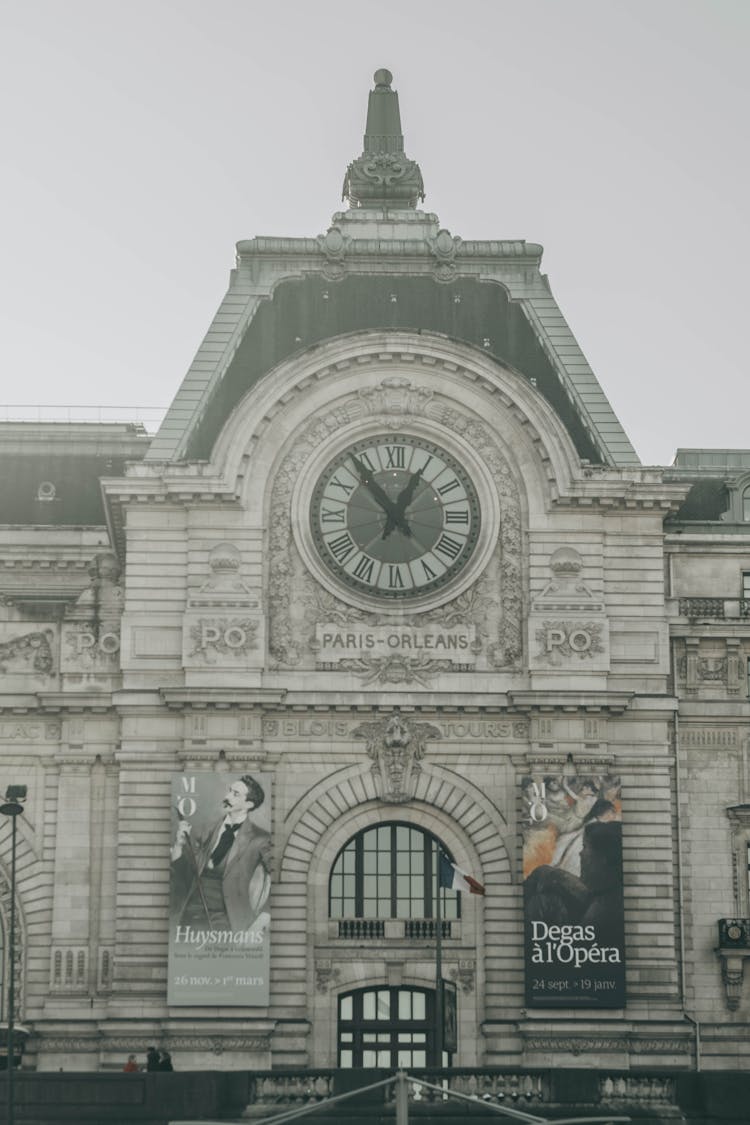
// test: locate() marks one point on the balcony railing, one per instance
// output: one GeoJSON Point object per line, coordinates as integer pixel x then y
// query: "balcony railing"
{"type": "Point", "coordinates": [715, 609]}
{"type": "Point", "coordinates": [425, 928]}
{"type": "Point", "coordinates": [361, 928]}
{"type": "Point", "coordinates": [397, 929]}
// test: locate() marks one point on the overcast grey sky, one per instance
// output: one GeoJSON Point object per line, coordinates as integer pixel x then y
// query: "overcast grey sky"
{"type": "Point", "coordinates": [142, 139]}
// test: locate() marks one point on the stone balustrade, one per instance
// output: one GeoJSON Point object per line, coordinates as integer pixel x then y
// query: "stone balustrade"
{"type": "Point", "coordinates": [524, 1089]}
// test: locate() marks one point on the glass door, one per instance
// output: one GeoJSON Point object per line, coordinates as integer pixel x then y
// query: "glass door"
{"type": "Point", "coordinates": [387, 1027]}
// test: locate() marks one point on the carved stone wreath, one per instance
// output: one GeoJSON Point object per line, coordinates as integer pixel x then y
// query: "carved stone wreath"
{"type": "Point", "coordinates": [28, 652]}
{"type": "Point", "coordinates": [297, 602]}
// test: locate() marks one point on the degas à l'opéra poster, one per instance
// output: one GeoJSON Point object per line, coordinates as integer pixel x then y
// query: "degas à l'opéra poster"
{"type": "Point", "coordinates": [219, 889]}
{"type": "Point", "coordinates": [573, 895]}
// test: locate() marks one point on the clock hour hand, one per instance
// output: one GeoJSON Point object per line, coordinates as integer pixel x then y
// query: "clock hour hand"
{"type": "Point", "coordinates": [403, 500]}
{"type": "Point", "coordinates": [394, 518]}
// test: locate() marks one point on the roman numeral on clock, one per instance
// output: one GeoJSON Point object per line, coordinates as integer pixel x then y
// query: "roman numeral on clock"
{"type": "Point", "coordinates": [341, 547]}
{"type": "Point", "coordinates": [345, 488]}
{"type": "Point", "coordinates": [363, 569]}
{"type": "Point", "coordinates": [444, 488]}
{"type": "Point", "coordinates": [457, 515]}
{"type": "Point", "coordinates": [448, 546]}
{"type": "Point", "coordinates": [333, 515]}
{"type": "Point", "coordinates": [395, 456]}
{"type": "Point", "coordinates": [395, 581]}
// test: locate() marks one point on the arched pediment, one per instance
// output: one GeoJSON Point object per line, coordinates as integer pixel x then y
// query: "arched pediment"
{"type": "Point", "coordinates": [355, 377]}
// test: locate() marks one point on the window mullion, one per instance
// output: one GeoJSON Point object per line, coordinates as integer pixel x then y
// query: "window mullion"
{"type": "Point", "coordinates": [394, 869]}
{"type": "Point", "coordinates": [429, 905]}
{"type": "Point", "coordinates": [359, 876]}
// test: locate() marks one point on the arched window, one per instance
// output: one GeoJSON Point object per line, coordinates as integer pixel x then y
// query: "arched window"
{"type": "Point", "coordinates": [388, 871]}
{"type": "Point", "coordinates": [746, 505]}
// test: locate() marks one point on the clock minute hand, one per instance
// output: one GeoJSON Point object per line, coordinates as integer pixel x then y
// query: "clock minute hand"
{"type": "Point", "coordinates": [403, 500]}
{"type": "Point", "coordinates": [375, 490]}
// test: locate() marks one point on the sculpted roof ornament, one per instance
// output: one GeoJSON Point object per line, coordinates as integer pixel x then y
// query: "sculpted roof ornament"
{"type": "Point", "coordinates": [383, 177]}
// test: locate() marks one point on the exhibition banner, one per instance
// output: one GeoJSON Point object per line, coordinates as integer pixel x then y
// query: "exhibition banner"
{"type": "Point", "coordinates": [219, 888]}
{"type": "Point", "coordinates": [573, 892]}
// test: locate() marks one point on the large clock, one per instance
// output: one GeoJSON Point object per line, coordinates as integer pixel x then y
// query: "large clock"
{"type": "Point", "coordinates": [395, 516]}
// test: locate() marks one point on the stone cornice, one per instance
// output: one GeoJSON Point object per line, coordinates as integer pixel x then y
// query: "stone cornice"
{"type": "Point", "coordinates": [616, 702]}
{"type": "Point", "coordinates": [311, 253]}
{"type": "Point", "coordinates": [53, 701]}
{"type": "Point", "coordinates": [739, 816]}
{"type": "Point", "coordinates": [47, 561]}
{"type": "Point", "coordinates": [223, 697]}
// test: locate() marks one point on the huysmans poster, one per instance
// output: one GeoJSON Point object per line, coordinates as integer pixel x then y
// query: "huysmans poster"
{"type": "Point", "coordinates": [219, 887]}
{"type": "Point", "coordinates": [573, 893]}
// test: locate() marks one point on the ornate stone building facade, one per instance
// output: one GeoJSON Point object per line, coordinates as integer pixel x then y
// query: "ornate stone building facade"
{"type": "Point", "coordinates": [392, 547]}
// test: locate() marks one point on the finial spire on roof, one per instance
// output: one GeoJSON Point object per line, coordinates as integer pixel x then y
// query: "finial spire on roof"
{"type": "Point", "coordinates": [383, 177]}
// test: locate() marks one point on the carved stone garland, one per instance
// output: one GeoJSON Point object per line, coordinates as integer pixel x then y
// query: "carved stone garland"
{"type": "Point", "coordinates": [497, 620]}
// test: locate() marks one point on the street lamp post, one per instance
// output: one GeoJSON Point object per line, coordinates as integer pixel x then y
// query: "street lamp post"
{"type": "Point", "coordinates": [12, 807]}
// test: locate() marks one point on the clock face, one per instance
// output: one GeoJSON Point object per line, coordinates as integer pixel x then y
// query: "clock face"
{"type": "Point", "coordinates": [395, 517]}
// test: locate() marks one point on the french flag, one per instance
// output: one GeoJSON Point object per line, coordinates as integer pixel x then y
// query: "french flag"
{"type": "Point", "coordinates": [455, 879]}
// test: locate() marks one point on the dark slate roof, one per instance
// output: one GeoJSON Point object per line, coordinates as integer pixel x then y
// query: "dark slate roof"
{"type": "Point", "coordinates": [309, 311]}
{"type": "Point", "coordinates": [50, 471]}
{"type": "Point", "coordinates": [713, 475]}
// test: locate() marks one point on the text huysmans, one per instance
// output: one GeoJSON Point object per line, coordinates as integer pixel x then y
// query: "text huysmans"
{"type": "Point", "coordinates": [202, 938]}
{"type": "Point", "coordinates": [564, 945]}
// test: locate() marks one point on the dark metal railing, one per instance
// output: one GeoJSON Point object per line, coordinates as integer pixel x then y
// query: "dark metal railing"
{"type": "Point", "coordinates": [425, 928]}
{"type": "Point", "coordinates": [361, 928]}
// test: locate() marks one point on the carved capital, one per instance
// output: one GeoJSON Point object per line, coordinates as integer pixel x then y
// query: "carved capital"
{"type": "Point", "coordinates": [326, 976]}
{"type": "Point", "coordinates": [732, 970]}
{"type": "Point", "coordinates": [464, 975]}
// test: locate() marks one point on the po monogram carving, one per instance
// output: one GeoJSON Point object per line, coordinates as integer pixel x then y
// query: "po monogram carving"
{"type": "Point", "coordinates": [566, 640]}
{"type": "Point", "coordinates": [225, 635]}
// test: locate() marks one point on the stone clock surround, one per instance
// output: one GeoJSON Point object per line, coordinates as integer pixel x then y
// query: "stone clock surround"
{"type": "Point", "coordinates": [417, 428]}
{"type": "Point", "coordinates": [487, 596]}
